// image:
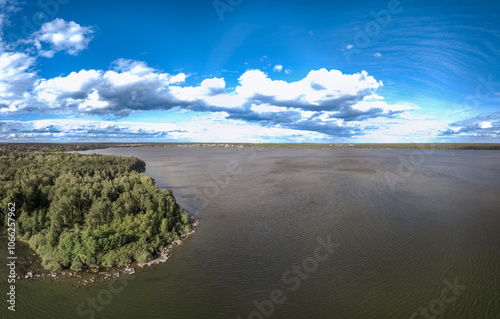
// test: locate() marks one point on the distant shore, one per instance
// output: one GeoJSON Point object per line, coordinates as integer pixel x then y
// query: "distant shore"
{"type": "Point", "coordinates": [35, 147]}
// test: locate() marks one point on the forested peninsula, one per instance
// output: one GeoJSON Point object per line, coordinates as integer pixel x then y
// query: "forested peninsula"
{"type": "Point", "coordinates": [78, 210]}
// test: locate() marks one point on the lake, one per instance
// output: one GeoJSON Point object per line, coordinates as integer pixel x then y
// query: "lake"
{"type": "Point", "coordinates": [305, 233]}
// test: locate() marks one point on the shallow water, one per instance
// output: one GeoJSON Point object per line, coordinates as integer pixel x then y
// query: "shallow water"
{"type": "Point", "coordinates": [403, 224]}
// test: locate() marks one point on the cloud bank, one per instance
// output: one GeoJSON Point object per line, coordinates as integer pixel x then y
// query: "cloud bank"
{"type": "Point", "coordinates": [321, 105]}
{"type": "Point", "coordinates": [323, 101]}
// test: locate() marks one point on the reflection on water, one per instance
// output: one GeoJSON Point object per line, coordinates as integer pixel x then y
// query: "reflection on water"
{"type": "Point", "coordinates": [397, 243]}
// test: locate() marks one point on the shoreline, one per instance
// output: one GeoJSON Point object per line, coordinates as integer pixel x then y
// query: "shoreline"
{"type": "Point", "coordinates": [31, 265]}
{"type": "Point", "coordinates": [81, 147]}
{"type": "Point", "coordinates": [93, 273]}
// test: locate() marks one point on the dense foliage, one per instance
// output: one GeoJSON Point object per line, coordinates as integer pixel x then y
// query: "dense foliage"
{"type": "Point", "coordinates": [76, 210]}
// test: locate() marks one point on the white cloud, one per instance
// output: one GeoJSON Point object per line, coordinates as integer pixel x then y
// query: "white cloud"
{"type": "Point", "coordinates": [16, 79]}
{"type": "Point", "coordinates": [130, 85]}
{"type": "Point", "coordinates": [92, 103]}
{"type": "Point", "coordinates": [207, 88]}
{"type": "Point", "coordinates": [278, 68]}
{"type": "Point", "coordinates": [62, 36]}
{"type": "Point", "coordinates": [367, 105]}
{"type": "Point", "coordinates": [263, 108]}
{"type": "Point", "coordinates": [378, 55]}
{"type": "Point", "coordinates": [75, 83]}
{"type": "Point", "coordinates": [213, 127]}
{"type": "Point", "coordinates": [349, 46]}
{"type": "Point", "coordinates": [319, 90]}
{"type": "Point", "coordinates": [324, 103]}
{"type": "Point", "coordinates": [178, 79]}
{"type": "Point", "coordinates": [288, 71]}
{"type": "Point", "coordinates": [405, 129]}
{"type": "Point", "coordinates": [486, 125]}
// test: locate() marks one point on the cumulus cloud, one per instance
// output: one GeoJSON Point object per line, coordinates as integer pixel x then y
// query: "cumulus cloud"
{"type": "Point", "coordinates": [62, 35]}
{"type": "Point", "coordinates": [19, 81]}
{"type": "Point", "coordinates": [320, 90]}
{"type": "Point", "coordinates": [16, 78]}
{"type": "Point", "coordinates": [129, 86]}
{"type": "Point", "coordinates": [325, 101]}
{"type": "Point", "coordinates": [321, 105]}
{"type": "Point", "coordinates": [132, 85]}
{"type": "Point", "coordinates": [484, 126]}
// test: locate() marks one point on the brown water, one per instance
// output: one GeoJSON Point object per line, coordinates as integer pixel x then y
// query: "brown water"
{"type": "Point", "coordinates": [395, 244]}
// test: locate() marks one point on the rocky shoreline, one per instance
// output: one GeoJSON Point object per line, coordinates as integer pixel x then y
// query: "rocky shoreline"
{"type": "Point", "coordinates": [94, 273]}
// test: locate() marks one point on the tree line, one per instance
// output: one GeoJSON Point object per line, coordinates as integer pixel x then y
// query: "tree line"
{"type": "Point", "coordinates": [77, 210]}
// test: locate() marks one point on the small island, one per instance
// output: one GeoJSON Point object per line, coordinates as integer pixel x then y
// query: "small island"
{"type": "Point", "coordinates": [77, 210]}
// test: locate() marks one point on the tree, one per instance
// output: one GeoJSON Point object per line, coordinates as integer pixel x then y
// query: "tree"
{"type": "Point", "coordinates": [80, 210]}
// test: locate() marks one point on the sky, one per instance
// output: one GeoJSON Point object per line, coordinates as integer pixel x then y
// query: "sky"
{"type": "Point", "coordinates": [250, 71]}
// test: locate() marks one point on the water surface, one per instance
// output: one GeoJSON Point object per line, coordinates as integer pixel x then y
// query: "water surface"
{"type": "Point", "coordinates": [403, 222]}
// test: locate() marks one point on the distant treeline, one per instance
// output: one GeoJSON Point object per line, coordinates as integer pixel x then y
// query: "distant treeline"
{"type": "Point", "coordinates": [438, 146]}
{"type": "Point", "coordinates": [13, 147]}
{"type": "Point", "coordinates": [10, 148]}
{"type": "Point", "coordinates": [76, 210]}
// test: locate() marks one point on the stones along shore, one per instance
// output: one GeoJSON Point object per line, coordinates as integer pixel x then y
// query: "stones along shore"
{"type": "Point", "coordinates": [93, 274]}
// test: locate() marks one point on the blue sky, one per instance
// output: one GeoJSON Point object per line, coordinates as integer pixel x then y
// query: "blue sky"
{"type": "Point", "coordinates": [249, 71]}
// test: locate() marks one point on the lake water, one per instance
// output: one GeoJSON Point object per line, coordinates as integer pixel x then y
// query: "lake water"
{"type": "Point", "coordinates": [290, 233]}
